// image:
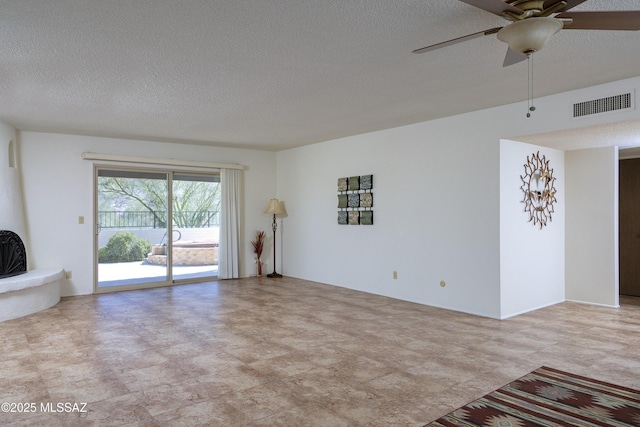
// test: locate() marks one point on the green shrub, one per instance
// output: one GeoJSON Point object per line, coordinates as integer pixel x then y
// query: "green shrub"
{"type": "Point", "coordinates": [124, 247]}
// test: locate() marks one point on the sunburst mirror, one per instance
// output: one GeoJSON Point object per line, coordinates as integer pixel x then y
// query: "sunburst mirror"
{"type": "Point", "coordinates": [538, 186]}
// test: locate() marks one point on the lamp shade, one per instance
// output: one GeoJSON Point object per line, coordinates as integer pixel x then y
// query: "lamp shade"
{"type": "Point", "coordinates": [529, 35]}
{"type": "Point", "coordinates": [276, 207]}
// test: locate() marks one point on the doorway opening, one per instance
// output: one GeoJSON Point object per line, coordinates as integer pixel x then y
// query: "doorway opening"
{"type": "Point", "coordinates": [629, 229]}
{"type": "Point", "coordinates": [155, 228]}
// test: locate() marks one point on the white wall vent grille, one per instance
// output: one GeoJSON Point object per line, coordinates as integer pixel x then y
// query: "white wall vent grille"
{"type": "Point", "coordinates": [603, 105]}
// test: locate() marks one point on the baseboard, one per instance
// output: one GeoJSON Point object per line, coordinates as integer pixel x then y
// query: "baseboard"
{"type": "Point", "coordinates": [593, 303]}
{"type": "Point", "coordinates": [530, 310]}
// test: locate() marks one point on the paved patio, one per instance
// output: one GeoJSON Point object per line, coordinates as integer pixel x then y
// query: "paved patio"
{"type": "Point", "coordinates": [114, 274]}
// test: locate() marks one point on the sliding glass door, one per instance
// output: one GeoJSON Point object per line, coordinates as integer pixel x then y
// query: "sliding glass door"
{"type": "Point", "coordinates": [196, 225]}
{"type": "Point", "coordinates": [155, 228]}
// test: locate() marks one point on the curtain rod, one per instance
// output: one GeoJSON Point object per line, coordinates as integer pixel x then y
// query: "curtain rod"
{"type": "Point", "coordinates": [148, 160]}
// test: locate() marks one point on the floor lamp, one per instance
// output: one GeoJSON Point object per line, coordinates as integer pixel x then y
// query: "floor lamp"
{"type": "Point", "coordinates": [276, 208]}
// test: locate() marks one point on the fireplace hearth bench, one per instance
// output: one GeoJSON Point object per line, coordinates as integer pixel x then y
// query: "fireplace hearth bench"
{"type": "Point", "coordinates": [29, 293]}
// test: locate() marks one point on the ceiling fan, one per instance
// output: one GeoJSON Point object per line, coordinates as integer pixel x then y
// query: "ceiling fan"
{"type": "Point", "coordinates": [535, 21]}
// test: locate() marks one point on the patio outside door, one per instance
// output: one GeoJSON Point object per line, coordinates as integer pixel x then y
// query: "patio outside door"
{"type": "Point", "coordinates": [144, 240]}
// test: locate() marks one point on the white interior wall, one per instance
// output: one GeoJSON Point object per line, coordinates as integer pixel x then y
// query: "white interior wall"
{"type": "Point", "coordinates": [592, 226]}
{"type": "Point", "coordinates": [436, 204]}
{"type": "Point", "coordinates": [58, 188]}
{"type": "Point", "coordinates": [532, 260]}
{"type": "Point", "coordinates": [430, 221]}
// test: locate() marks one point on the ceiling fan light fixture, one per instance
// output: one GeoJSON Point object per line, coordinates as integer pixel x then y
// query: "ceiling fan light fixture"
{"type": "Point", "coordinates": [529, 35]}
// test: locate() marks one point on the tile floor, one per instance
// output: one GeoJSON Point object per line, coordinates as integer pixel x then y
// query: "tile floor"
{"type": "Point", "coordinates": [265, 352]}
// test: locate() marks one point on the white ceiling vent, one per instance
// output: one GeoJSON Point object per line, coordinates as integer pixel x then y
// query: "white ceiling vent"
{"type": "Point", "coordinates": [616, 103]}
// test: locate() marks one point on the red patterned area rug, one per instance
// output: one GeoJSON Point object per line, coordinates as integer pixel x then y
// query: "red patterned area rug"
{"type": "Point", "coordinates": [549, 397]}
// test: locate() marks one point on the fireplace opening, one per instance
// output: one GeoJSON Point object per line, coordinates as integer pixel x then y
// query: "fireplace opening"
{"type": "Point", "coordinates": [13, 256]}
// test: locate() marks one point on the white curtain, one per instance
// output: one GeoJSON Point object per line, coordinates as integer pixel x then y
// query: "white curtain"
{"type": "Point", "coordinates": [230, 208]}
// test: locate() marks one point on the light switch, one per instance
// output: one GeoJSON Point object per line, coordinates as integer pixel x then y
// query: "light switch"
{"type": "Point", "coordinates": [80, 220]}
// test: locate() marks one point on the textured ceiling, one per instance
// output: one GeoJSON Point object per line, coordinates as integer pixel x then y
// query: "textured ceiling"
{"type": "Point", "coordinates": [273, 74]}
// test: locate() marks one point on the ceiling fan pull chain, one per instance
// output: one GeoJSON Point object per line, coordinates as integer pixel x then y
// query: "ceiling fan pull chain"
{"type": "Point", "coordinates": [530, 85]}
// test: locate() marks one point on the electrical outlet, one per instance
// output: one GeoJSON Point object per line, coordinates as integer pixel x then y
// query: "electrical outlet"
{"type": "Point", "coordinates": [395, 275]}
{"type": "Point", "coordinates": [80, 220]}
{"type": "Point", "coordinates": [68, 274]}
{"type": "Point", "coordinates": [443, 283]}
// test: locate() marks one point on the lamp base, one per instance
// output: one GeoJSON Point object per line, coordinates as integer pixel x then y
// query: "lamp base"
{"type": "Point", "coordinates": [274, 274]}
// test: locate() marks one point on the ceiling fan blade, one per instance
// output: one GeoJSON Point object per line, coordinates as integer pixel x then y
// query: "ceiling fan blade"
{"type": "Point", "coordinates": [497, 7]}
{"type": "Point", "coordinates": [513, 57]}
{"type": "Point", "coordinates": [457, 40]}
{"type": "Point", "coordinates": [622, 20]}
{"type": "Point", "coordinates": [570, 4]}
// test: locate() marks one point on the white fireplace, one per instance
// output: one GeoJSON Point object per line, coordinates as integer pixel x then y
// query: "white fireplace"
{"type": "Point", "coordinates": [35, 290]}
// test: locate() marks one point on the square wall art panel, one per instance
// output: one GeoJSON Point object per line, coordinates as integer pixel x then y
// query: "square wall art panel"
{"type": "Point", "coordinates": [366, 182]}
{"type": "Point", "coordinates": [343, 217]}
{"type": "Point", "coordinates": [343, 200]}
{"type": "Point", "coordinates": [366, 217]}
{"type": "Point", "coordinates": [354, 183]}
{"type": "Point", "coordinates": [343, 184]}
{"type": "Point", "coordinates": [354, 217]}
{"type": "Point", "coordinates": [355, 200]}
{"type": "Point", "coordinates": [366, 200]}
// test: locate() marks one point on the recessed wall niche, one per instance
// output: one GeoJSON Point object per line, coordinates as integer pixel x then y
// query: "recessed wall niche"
{"type": "Point", "coordinates": [355, 200]}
